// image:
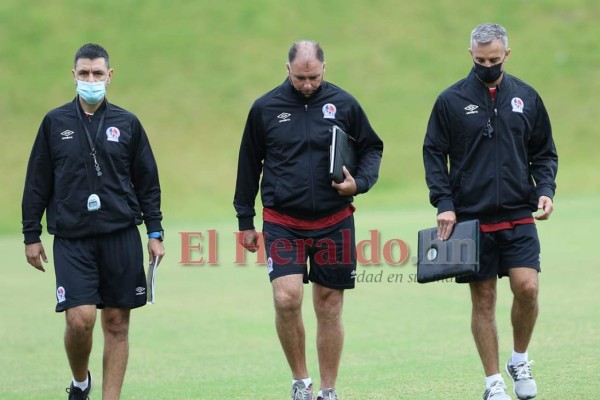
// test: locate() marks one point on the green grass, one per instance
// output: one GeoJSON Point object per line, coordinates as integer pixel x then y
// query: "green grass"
{"type": "Point", "coordinates": [190, 70]}
{"type": "Point", "coordinates": [211, 333]}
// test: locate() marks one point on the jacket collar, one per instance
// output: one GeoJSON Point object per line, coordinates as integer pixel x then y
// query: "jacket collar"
{"type": "Point", "coordinates": [100, 109]}
{"type": "Point", "coordinates": [287, 85]}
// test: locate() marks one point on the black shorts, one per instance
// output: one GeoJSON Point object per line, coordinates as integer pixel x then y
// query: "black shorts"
{"type": "Point", "coordinates": [331, 251]}
{"type": "Point", "coordinates": [105, 270]}
{"type": "Point", "coordinates": [502, 250]}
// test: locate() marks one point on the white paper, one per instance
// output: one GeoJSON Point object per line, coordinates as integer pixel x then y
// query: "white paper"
{"type": "Point", "coordinates": [151, 280]}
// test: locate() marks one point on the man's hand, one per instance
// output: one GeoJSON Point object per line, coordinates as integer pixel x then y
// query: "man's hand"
{"type": "Point", "coordinates": [155, 249]}
{"type": "Point", "coordinates": [546, 206]}
{"type": "Point", "coordinates": [348, 186]}
{"type": "Point", "coordinates": [445, 224]}
{"type": "Point", "coordinates": [249, 240]}
{"type": "Point", "coordinates": [35, 253]}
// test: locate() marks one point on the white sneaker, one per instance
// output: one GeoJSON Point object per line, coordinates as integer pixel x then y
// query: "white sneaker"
{"type": "Point", "coordinates": [328, 394]}
{"type": "Point", "coordinates": [496, 392]}
{"type": "Point", "coordinates": [520, 373]}
{"type": "Point", "coordinates": [301, 392]}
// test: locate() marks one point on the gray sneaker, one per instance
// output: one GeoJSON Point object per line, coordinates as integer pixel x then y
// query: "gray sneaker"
{"type": "Point", "coordinates": [496, 392]}
{"type": "Point", "coordinates": [328, 394]}
{"type": "Point", "coordinates": [301, 392]}
{"type": "Point", "coordinates": [520, 373]}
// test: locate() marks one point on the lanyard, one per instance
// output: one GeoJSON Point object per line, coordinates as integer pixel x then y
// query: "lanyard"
{"type": "Point", "coordinates": [89, 137]}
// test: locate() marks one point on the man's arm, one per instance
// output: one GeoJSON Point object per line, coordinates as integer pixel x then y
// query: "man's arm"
{"type": "Point", "coordinates": [370, 150]}
{"type": "Point", "coordinates": [39, 181]}
{"type": "Point", "coordinates": [250, 163]}
{"type": "Point", "coordinates": [543, 160]}
{"type": "Point", "coordinates": [435, 159]}
{"type": "Point", "coordinates": [146, 183]}
{"type": "Point", "coordinates": [145, 180]}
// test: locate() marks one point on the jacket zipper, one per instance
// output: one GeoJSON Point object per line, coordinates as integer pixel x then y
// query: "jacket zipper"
{"type": "Point", "coordinates": [310, 167]}
{"type": "Point", "coordinates": [496, 145]}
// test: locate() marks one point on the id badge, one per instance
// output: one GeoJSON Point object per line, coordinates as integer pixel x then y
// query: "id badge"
{"type": "Point", "coordinates": [93, 203]}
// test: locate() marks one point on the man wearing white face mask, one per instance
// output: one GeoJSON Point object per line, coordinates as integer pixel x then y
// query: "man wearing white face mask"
{"type": "Point", "coordinates": [489, 155]}
{"type": "Point", "coordinates": [93, 173]}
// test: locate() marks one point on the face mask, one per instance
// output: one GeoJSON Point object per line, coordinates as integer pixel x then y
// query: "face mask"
{"type": "Point", "coordinates": [91, 92]}
{"type": "Point", "coordinates": [488, 74]}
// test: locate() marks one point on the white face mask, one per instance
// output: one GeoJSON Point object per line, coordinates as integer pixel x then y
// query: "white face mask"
{"type": "Point", "coordinates": [91, 92]}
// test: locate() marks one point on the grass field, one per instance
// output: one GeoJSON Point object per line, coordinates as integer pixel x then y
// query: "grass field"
{"type": "Point", "coordinates": [211, 333]}
{"type": "Point", "coordinates": [190, 70]}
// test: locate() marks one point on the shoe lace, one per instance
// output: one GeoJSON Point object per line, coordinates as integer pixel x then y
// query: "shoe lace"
{"type": "Point", "coordinates": [300, 394]}
{"type": "Point", "coordinates": [82, 396]}
{"type": "Point", "coordinates": [522, 370]}
{"type": "Point", "coordinates": [497, 388]}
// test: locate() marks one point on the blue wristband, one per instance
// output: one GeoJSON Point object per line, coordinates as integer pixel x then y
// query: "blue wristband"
{"type": "Point", "coordinates": [154, 235]}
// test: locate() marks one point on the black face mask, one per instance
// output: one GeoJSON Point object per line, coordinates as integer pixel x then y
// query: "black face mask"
{"type": "Point", "coordinates": [488, 74]}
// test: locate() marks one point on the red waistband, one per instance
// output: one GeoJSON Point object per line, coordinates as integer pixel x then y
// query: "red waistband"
{"type": "Point", "coordinates": [487, 228]}
{"type": "Point", "coordinates": [278, 218]}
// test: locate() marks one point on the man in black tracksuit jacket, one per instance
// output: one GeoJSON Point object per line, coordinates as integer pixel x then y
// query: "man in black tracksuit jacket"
{"type": "Point", "coordinates": [493, 131]}
{"type": "Point", "coordinates": [93, 173]}
{"type": "Point", "coordinates": [287, 139]}
{"type": "Point", "coordinates": [59, 175]}
{"type": "Point", "coordinates": [494, 176]}
{"type": "Point", "coordinates": [295, 152]}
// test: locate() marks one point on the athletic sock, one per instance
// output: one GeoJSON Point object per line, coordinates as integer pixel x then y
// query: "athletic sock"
{"type": "Point", "coordinates": [491, 379]}
{"type": "Point", "coordinates": [307, 382]}
{"type": "Point", "coordinates": [516, 358]}
{"type": "Point", "coordinates": [81, 385]}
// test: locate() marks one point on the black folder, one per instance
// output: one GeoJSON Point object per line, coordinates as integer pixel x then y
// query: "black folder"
{"type": "Point", "coordinates": [342, 152]}
{"type": "Point", "coordinates": [456, 257]}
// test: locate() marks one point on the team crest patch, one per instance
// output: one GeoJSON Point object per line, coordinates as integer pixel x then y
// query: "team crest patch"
{"type": "Point", "coordinates": [269, 265]}
{"type": "Point", "coordinates": [61, 294]}
{"type": "Point", "coordinates": [329, 111]}
{"type": "Point", "coordinates": [517, 105]}
{"type": "Point", "coordinates": [112, 134]}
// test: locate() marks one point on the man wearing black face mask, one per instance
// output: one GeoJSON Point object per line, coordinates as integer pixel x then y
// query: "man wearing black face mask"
{"type": "Point", "coordinates": [493, 132]}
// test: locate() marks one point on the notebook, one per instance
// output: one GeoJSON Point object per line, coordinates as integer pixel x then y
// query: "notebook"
{"type": "Point", "coordinates": [151, 280]}
{"type": "Point", "coordinates": [457, 256]}
{"type": "Point", "coordinates": [342, 152]}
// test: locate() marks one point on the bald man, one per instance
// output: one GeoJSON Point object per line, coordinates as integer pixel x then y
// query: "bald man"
{"type": "Point", "coordinates": [307, 218]}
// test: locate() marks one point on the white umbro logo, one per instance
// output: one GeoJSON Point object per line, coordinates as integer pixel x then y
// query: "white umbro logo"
{"type": "Point", "coordinates": [284, 117]}
{"type": "Point", "coordinates": [67, 134]}
{"type": "Point", "coordinates": [472, 109]}
{"type": "Point", "coordinates": [140, 290]}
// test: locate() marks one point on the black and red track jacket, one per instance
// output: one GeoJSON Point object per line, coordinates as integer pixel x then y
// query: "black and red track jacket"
{"type": "Point", "coordinates": [61, 175]}
{"type": "Point", "coordinates": [489, 160]}
{"type": "Point", "coordinates": [287, 138]}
